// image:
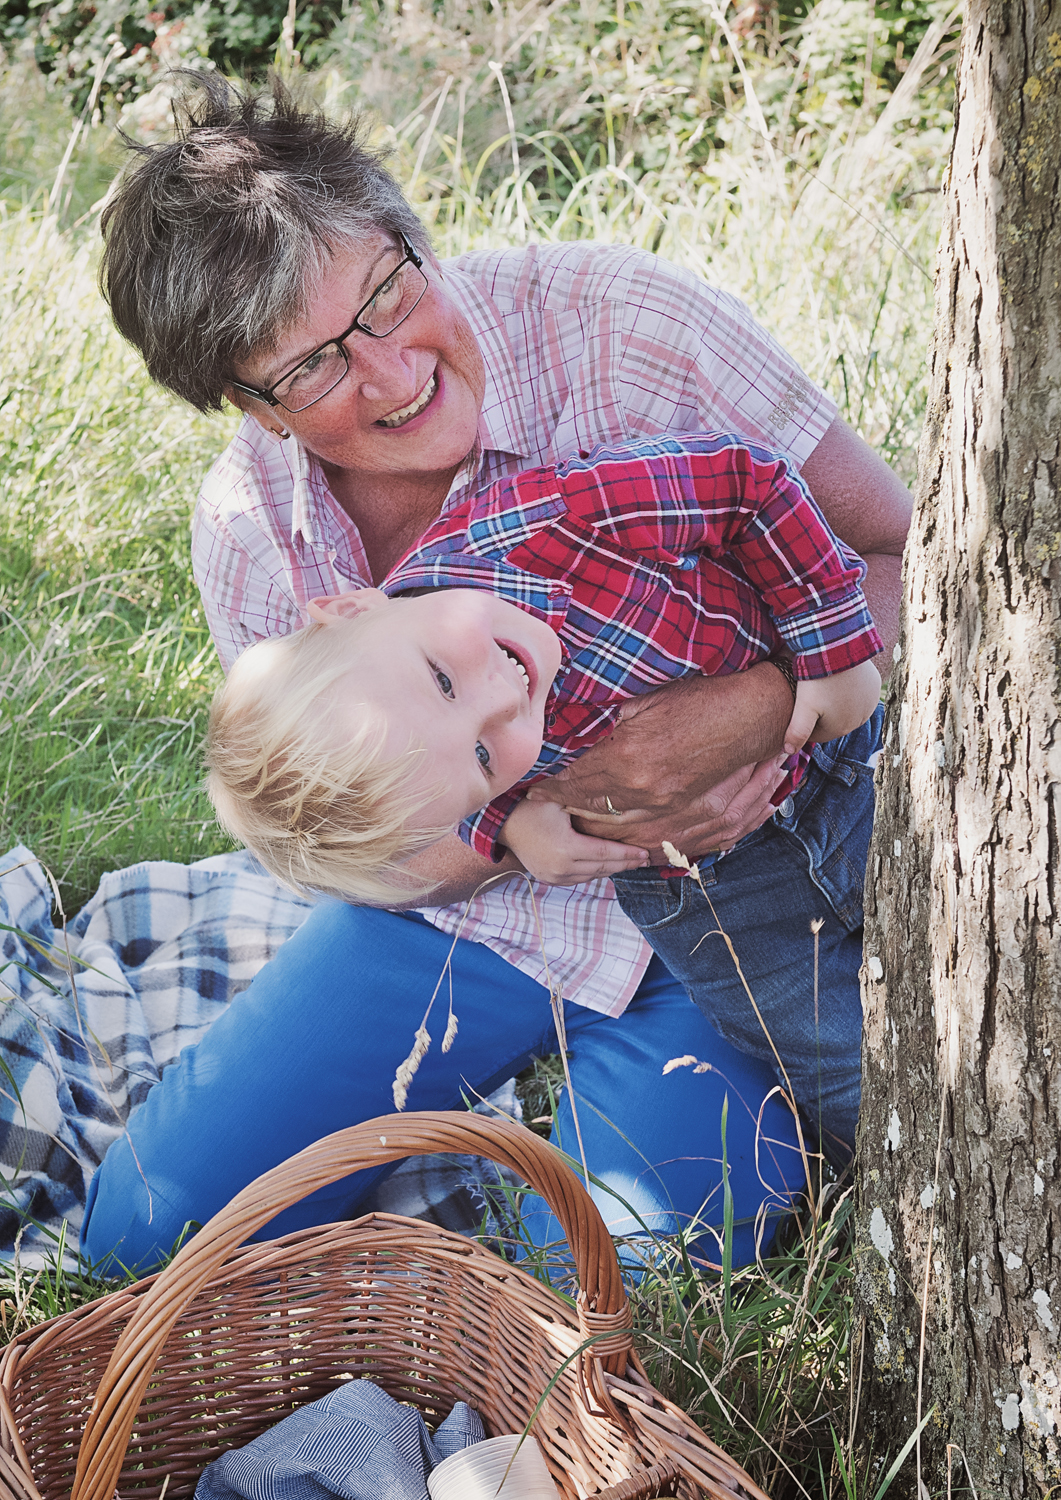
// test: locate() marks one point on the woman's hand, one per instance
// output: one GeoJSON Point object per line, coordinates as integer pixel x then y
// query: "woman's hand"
{"type": "Point", "coordinates": [718, 819]}
{"type": "Point", "coordinates": [695, 763]}
{"type": "Point", "coordinates": [541, 837]}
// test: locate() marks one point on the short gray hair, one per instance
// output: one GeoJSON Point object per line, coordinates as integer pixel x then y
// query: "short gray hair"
{"type": "Point", "coordinates": [216, 242]}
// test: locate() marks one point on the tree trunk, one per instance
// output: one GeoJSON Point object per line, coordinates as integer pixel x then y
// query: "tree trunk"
{"type": "Point", "coordinates": [959, 1219]}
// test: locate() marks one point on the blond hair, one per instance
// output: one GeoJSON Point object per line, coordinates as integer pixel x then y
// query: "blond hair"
{"type": "Point", "coordinates": [325, 814]}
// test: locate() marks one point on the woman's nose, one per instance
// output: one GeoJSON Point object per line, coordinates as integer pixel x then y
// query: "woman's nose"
{"type": "Point", "coordinates": [384, 371]}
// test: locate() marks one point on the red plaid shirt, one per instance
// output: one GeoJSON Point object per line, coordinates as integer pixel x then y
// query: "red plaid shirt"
{"type": "Point", "coordinates": [651, 560]}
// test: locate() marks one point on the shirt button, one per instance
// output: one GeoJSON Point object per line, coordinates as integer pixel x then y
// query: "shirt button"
{"type": "Point", "coordinates": [786, 808]}
{"type": "Point", "coordinates": [550, 720]}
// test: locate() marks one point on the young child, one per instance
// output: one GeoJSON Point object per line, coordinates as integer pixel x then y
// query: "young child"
{"type": "Point", "coordinates": [511, 639]}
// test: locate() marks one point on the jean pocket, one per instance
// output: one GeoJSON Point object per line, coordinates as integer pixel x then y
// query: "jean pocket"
{"type": "Point", "coordinates": [831, 815]}
{"type": "Point", "coordinates": [650, 901]}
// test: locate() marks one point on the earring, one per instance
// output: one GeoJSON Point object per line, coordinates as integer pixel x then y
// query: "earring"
{"type": "Point", "coordinates": [281, 433]}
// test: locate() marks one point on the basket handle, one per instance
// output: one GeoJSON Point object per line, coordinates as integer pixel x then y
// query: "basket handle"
{"type": "Point", "coordinates": [603, 1307]}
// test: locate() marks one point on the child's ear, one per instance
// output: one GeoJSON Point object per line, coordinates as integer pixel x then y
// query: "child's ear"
{"type": "Point", "coordinates": [344, 606]}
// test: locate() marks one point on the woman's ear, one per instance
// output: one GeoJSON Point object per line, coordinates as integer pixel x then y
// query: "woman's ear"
{"type": "Point", "coordinates": [331, 607]}
{"type": "Point", "coordinates": [265, 417]}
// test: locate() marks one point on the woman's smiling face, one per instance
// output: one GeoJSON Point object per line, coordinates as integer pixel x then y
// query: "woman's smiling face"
{"type": "Point", "coordinates": [409, 403]}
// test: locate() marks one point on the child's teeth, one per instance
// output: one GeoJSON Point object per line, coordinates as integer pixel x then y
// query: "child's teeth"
{"type": "Point", "coordinates": [520, 668]}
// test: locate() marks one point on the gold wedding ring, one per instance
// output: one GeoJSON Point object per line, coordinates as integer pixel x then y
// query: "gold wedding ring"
{"type": "Point", "coordinates": [616, 812]}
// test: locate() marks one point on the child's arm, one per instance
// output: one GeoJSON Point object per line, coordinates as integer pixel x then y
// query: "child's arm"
{"type": "Point", "coordinates": [827, 707]}
{"type": "Point", "coordinates": [670, 497]}
{"type": "Point", "coordinates": [540, 835]}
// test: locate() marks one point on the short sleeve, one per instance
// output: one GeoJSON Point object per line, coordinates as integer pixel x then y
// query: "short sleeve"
{"type": "Point", "coordinates": [693, 357]}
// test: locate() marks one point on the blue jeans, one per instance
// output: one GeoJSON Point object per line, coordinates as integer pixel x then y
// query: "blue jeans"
{"type": "Point", "coordinates": [806, 865]}
{"type": "Point", "coordinates": [312, 1046]}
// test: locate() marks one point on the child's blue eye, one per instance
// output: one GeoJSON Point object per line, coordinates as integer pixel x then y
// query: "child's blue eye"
{"type": "Point", "coordinates": [443, 682]}
{"type": "Point", "coordinates": [482, 755]}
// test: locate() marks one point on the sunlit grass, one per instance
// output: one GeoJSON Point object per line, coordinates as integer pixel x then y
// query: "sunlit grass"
{"type": "Point", "coordinates": [106, 667]}
{"type": "Point", "coordinates": [833, 259]}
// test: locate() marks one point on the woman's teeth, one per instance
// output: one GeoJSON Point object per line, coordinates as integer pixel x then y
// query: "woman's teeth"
{"type": "Point", "coordinates": [396, 418]}
{"type": "Point", "coordinates": [520, 668]}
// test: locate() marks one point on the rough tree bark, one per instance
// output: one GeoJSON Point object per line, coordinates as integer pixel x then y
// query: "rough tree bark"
{"type": "Point", "coordinates": [961, 1120]}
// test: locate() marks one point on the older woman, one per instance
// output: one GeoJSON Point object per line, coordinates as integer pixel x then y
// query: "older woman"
{"type": "Point", "coordinates": [266, 257]}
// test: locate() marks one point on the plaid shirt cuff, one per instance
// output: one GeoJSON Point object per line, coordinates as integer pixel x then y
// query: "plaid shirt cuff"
{"type": "Point", "coordinates": [482, 830]}
{"type": "Point", "coordinates": [832, 638]}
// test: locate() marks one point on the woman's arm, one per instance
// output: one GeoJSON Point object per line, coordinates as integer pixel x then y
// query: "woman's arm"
{"type": "Point", "coordinates": [869, 508]}
{"type": "Point", "coordinates": [864, 501]}
{"type": "Point", "coordinates": [694, 763]}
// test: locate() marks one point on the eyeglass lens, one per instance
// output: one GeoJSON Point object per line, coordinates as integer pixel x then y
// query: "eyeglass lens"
{"type": "Point", "coordinates": [390, 304]}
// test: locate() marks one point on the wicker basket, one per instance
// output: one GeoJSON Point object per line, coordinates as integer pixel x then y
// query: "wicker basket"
{"type": "Point", "coordinates": [156, 1381]}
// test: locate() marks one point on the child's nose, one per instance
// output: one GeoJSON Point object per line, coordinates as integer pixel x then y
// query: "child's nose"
{"type": "Point", "coordinates": [507, 696]}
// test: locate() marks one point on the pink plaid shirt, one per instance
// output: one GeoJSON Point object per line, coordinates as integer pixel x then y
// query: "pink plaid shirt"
{"type": "Point", "coordinates": [583, 344]}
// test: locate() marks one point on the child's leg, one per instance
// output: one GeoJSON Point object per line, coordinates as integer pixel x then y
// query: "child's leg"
{"type": "Point", "coordinates": [805, 866]}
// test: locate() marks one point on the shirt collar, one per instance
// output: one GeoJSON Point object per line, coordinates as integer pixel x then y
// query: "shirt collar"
{"type": "Point", "coordinates": [309, 509]}
{"type": "Point", "coordinates": [502, 426]}
{"type": "Point", "coordinates": [286, 466]}
{"type": "Point", "coordinates": [548, 598]}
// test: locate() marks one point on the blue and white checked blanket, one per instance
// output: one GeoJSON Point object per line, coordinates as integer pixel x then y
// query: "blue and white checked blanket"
{"type": "Point", "coordinates": [90, 1017]}
{"type": "Point", "coordinates": [356, 1443]}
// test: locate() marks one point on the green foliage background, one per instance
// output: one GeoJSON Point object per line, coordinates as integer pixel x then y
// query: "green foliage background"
{"type": "Point", "coordinates": [605, 77]}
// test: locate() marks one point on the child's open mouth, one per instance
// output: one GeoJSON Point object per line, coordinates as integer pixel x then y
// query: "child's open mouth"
{"type": "Point", "coordinates": [520, 668]}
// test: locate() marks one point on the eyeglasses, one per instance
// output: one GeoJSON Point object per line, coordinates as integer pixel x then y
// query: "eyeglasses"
{"type": "Point", "coordinates": [320, 372]}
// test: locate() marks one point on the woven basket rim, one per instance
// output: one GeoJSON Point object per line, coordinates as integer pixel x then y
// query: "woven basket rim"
{"type": "Point", "coordinates": [214, 1258]}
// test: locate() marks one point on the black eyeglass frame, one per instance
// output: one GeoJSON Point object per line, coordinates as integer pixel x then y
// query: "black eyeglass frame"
{"type": "Point", "coordinates": [411, 257]}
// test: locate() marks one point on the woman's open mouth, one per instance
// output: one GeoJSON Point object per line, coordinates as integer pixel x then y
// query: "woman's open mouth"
{"type": "Point", "coordinates": [407, 413]}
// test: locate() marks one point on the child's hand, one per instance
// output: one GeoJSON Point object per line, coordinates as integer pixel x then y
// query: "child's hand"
{"type": "Point", "coordinates": [827, 707]}
{"type": "Point", "coordinates": [542, 839]}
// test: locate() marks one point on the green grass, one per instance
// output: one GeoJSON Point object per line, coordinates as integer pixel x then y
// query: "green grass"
{"type": "Point", "coordinates": [761, 1357]}
{"type": "Point", "coordinates": [106, 668]}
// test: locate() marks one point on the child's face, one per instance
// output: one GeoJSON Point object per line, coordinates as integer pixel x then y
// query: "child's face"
{"type": "Point", "coordinates": [460, 672]}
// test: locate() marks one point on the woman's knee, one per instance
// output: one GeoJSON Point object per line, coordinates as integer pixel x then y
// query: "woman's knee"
{"type": "Point", "coordinates": [312, 1046]}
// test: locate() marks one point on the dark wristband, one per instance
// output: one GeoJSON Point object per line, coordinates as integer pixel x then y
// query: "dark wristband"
{"type": "Point", "coordinates": [784, 666]}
